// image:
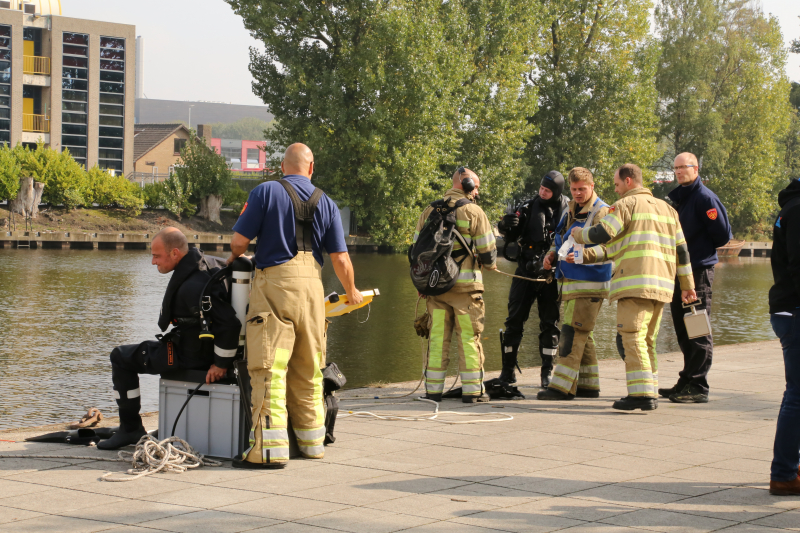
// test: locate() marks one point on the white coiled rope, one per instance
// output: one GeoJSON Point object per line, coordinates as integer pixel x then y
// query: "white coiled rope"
{"type": "Point", "coordinates": [150, 456]}
{"type": "Point", "coordinates": [169, 455]}
{"type": "Point", "coordinates": [433, 417]}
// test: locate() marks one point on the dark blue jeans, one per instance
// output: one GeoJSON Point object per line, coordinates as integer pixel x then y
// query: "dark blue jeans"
{"type": "Point", "coordinates": [786, 454]}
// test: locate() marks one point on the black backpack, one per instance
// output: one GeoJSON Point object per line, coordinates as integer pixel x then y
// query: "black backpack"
{"type": "Point", "coordinates": [434, 266]}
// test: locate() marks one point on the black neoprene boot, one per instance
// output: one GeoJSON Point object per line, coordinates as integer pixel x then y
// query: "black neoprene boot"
{"type": "Point", "coordinates": [547, 368]}
{"type": "Point", "coordinates": [508, 374]}
{"type": "Point", "coordinates": [553, 395]}
{"type": "Point", "coordinates": [131, 428]}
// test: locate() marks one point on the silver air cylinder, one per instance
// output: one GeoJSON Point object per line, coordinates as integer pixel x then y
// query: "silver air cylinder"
{"type": "Point", "coordinates": [242, 269]}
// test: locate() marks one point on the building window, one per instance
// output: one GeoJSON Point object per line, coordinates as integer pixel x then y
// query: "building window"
{"type": "Point", "coordinates": [232, 151]}
{"type": "Point", "coordinates": [252, 157]}
{"type": "Point", "coordinates": [74, 95]}
{"type": "Point", "coordinates": [5, 84]}
{"type": "Point", "coordinates": [112, 104]}
{"type": "Point", "coordinates": [180, 144]}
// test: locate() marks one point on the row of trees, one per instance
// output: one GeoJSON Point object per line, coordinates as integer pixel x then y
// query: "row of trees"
{"type": "Point", "coordinates": [28, 177]}
{"type": "Point", "coordinates": [200, 185]}
{"type": "Point", "coordinates": [392, 95]}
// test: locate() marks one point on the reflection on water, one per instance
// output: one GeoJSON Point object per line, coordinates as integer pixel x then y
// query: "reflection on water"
{"type": "Point", "coordinates": [61, 313]}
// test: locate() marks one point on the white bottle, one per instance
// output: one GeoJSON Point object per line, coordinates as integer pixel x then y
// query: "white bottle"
{"type": "Point", "coordinates": [578, 249]}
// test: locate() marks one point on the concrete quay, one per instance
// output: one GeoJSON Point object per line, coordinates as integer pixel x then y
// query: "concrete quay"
{"type": "Point", "coordinates": [575, 466]}
{"type": "Point", "coordinates": [70, 240]}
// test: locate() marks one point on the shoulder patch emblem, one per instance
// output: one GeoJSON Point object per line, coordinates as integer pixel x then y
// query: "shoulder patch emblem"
{"type": "Point", "coordinates": [243, 209]}
{"type": "Point", "coordinates": [712, 214]}
{"type": "Point", "coordinates": [612, 209]}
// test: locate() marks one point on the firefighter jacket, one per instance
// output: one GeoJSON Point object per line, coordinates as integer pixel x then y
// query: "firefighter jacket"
{"type": "Point", "coordinates": [643, 236]}
{"type": "Point", "coordinates": [181, 309]}
{"type": "Point", "coordinates": [474, 226]}
{"type": "Point", "coordinates": [582, 280]}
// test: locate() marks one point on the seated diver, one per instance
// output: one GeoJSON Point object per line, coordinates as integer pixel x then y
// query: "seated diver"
{"type": "Point", "coordinates": [182, 347]}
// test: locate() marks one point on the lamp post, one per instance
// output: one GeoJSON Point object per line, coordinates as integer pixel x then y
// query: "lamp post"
{"type": "Point", "coordinates": [190, 116]}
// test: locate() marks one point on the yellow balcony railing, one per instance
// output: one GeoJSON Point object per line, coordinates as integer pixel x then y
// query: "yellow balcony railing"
{"type": "Point", "coordinates": [37, 123]}
{"type": "Point", "coordinates": [36, 65]}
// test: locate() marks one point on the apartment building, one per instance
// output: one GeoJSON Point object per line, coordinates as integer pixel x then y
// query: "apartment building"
{"type": "Point", "coordinates": [68, 83]}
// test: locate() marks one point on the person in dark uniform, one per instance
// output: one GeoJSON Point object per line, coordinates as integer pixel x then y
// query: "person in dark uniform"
{"type": "Point", "coordinates": [181, 347]}
{"type": "Point", "coordinates": [533, 226]}
{"type": "Point", "coordinates": [706, 228]}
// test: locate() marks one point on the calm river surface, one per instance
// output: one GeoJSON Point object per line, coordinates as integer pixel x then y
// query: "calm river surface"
{"type": "Point", "coordinates": [61, 313]}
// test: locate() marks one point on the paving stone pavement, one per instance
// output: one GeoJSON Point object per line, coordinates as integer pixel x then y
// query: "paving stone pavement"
{"type": "Point", "coordinates": [577, 466]}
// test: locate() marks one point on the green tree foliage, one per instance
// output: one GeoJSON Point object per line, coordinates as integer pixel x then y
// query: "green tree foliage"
{"type": "Point", "coordinates": [106, 190]}
{"type": "Point", "coordinates": [392, 95]}
{"type": "Point", "coordinates": [204, 175]}
{"type": "Point", "coordinates": [594, 71]}
{"type": "Point", "coordinates": [724, 97]}
{"type": "Point", "coordinates": [10, 169]}
{"type": "Point", "coordinates": [175, 196]}
{"type": "Point", "coordinates": [245, 129]}
{"type": "Point", "coordinates": [65, 181]}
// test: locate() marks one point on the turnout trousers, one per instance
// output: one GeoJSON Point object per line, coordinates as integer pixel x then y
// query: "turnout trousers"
{"type": "Point", "coordinates": [520, 300]}
{"type": "Point", "coordinates": [285, 357]}
{"type": "Point", "coordinates": [638, 320]}
{"type": "Point", "coordinates": [696, 352]}
{"type": "Point", "coordinates": [462, 314]}
{"type": "Point", "coordinates": [577, 364]}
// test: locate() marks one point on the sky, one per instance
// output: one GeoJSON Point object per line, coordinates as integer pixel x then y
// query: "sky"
{"type": "Point", "coordinates": [199, 49]}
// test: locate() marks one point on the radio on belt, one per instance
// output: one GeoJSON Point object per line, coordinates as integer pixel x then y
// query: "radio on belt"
{"type": "Point", "coordinates": [697, 323]}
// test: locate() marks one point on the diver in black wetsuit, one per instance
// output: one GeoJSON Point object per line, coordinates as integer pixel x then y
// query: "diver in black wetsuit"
{"type": "Point", "coordinates": [181, 347]}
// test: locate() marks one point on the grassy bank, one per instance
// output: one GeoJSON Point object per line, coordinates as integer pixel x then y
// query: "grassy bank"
{"type": "Point", "coordinates": [113, 220]}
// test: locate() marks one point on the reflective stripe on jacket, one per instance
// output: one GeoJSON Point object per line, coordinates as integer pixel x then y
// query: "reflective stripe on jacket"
{"type": "Point", "coordinates": [474, 226]}
{"type": "Point", "coordinates": [643, 236]}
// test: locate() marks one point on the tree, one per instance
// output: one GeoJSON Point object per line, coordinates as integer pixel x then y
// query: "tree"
{"type": "Point", "coordinates": [10, 169]}
{"type": "Point", "coordinates": [597, 97]}
{"type": "Point", "coordinates": [245, 129]}
{"type": "Point", "coordinates": [204, 176]}
{"type": "Point", "coordinates": [724, 97]}
{"type": "Point", "coordinates": [392, 95]}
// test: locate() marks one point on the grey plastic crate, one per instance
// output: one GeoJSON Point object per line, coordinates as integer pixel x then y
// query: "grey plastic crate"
{"type": "Point", "coordinates": [211, 421]}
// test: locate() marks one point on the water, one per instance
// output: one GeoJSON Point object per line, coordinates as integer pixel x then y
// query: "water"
{"type": "Point", "coordinates": [61, 313]}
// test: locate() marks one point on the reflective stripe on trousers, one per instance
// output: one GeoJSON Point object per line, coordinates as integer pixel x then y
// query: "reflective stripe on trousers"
{"type": "Point", "coordinates": [310, 441]}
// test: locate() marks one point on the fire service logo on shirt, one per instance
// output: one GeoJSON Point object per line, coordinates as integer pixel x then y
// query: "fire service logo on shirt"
{"type": "Point", "coordinates": [712, 214]}
{"type": "Point", "coordinates": [243, 209]}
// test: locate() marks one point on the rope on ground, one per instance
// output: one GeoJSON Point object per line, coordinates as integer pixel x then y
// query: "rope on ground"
{"type": "Point", "coordinates": [150, 456]}
{"type": "Point", "coordinates": [169, 455]}
{"type": "Point", "coordinates": [433, 417]}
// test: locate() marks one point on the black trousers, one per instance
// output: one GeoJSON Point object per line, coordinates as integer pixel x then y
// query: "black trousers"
{"type": "Point", "coordinates": [520, 300]}
{"type": "Point", "coordinates": [148, 357]}
{"type": "Point", "coordinates": [697, 352]}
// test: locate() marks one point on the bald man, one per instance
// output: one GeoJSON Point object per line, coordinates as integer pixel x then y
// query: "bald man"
{"type": "Point", "coordinates": [706, 228]}
{"type": "Point", "coordinates": [181, 348]}
{"type": "Point", "coordinates": [460, 311]}
{"type": "Point", "coordinates": [294, 222]}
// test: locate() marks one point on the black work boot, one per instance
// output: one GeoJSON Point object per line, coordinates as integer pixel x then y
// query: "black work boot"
{"type": "Point", "coordinates": [553, 395]}
{"type": "Point", "coordinates": [666, 393]}
{"type": "Point", "coordinates": [481, 398]}
{"type": "Point", "coordinates": [131, 428]}
{"type": "Point", "coordinates": [632, 403]}
{"type": "Point", "coordinates": [434, 397]}
{"type": "Point", "coordinates": [689, 394]}
{"type": "Point", "coordinates": [509, 356]}
{"type": "Point", "coordinates": [587, 393]}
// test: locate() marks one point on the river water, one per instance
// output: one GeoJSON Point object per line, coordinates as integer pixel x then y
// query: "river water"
{"type": "Point", "coordinates": [61, 313]}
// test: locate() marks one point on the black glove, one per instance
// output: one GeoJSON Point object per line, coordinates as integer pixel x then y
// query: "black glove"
{"type": "Point", "coordinates": [510, 221]}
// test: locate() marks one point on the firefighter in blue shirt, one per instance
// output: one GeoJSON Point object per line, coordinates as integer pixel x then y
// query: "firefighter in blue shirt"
{"type": "Point", "coordinates": [706, 228]}
{"type": "Point", "coordinates": [286, 316]}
